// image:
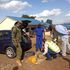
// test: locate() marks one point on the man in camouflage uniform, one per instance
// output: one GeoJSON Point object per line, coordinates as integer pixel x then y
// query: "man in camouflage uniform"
{"type": "Point", "coordinates": [16, 39]}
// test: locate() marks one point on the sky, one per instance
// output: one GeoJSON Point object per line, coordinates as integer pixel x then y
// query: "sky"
{"type": "Point", "coordinates": [57, 10]}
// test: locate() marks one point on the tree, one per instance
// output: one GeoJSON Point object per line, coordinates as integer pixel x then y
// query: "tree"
{"type": "Point", "coordinates": [27, 16]}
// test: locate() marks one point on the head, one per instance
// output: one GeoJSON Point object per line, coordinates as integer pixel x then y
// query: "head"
{"type": "Point", "coordinates": [18, 23]}
{"type": "Point", "coordinates": [46, 30]}
{"type": "Point", "coordinates": [24, 24]}
{"type": "Point", "coordinates": [51, 27]}
{"type": "Point", "coordinates": [39, 25]}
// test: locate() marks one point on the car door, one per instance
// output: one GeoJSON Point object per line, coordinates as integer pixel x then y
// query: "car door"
{"type": "Point", "coordinates": [1, 41]}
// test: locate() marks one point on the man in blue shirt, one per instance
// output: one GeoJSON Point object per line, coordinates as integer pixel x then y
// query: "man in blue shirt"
{"type": "Point", "coordinates": [39, 36]}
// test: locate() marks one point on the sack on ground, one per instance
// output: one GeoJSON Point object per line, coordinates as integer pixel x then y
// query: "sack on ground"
{"type": "Point", "coordinates": [37, 58]}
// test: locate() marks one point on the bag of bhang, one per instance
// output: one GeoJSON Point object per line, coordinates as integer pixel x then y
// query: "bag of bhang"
{"type": "Point", "coordinates": [32, 59]}
{"type": "Point", "coordinates": [37, 58]}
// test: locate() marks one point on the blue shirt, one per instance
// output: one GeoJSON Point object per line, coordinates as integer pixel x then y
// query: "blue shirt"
{"type": "Point", "coordinates": [39, 31]}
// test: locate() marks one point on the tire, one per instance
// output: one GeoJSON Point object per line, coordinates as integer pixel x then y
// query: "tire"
{"type": "Point", "coordinates": [10, 52]}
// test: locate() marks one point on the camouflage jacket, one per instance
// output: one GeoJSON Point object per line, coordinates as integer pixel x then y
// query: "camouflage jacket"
{"type": "Point", "coordinates": [16, 34]}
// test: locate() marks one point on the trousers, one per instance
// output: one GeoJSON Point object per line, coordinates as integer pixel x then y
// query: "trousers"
{"type": "Point", "coordinates": [65, 45]}
{"type": "Point", "coordinates": [18, 50]}
{"type": "Point", "coordinates": [38, 43]}
{"type": "Point", "coordinates": [50, 54]}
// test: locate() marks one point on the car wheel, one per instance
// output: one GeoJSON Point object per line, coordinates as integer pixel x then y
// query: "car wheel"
{"type": "Point", "coordinates": [10, 52]}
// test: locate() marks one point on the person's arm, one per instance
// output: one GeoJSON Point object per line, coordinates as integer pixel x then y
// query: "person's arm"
{"type": "Point", "coordinates": [45, 48]}
{"type": "Point", "coordinates": [44, 35]}
{"type": "Point", "coordinates": [14, 32]}
{"type": "Point", "coordinates": [55, 37]}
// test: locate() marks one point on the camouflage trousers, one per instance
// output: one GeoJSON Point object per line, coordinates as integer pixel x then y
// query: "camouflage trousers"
{"type": "Point", "coordinates": [18, 50]}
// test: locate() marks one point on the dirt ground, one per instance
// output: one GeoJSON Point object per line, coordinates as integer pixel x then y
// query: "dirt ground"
{"type": "Point", "coordinates": [59, 63]}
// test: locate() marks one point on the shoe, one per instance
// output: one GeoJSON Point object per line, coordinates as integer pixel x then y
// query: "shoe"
{"type": "Point", "coordinates": [19, 62]}
{"type": "Point", "coordinates": [60, 53]}
{"type": "Point", "coordinates": [64, 55]}
{"type": "Point", "coordinates": [49, 59]}
{"type": "Point", "coordinates": [54, 57]}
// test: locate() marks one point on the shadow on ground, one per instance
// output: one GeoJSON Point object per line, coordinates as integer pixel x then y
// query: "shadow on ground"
{"type": "Point", "coordinates": [15, 68]}
{"type": "Point", "coordinates": [67, 59]}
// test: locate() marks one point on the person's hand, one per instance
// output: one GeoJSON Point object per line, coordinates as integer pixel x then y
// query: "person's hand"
{"type": "Point", "coordinates": [55, 40]}
{"type": "Point", "coordinates": [43, 40]}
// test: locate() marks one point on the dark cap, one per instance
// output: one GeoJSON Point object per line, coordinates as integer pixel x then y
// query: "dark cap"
{"type": "Point", "coordinates": [18, 22]}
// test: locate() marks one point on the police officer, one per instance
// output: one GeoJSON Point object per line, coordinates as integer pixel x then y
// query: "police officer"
{"type": "Point", "coordinates": [16, 39]}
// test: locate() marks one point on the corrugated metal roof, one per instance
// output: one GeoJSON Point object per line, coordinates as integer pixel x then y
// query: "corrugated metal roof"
{"type": "Point", "coordinates": [66, 25]}
{"type": "Point", "coordinates": [33, 21]}
{"type": "Point", "coordinates": [8, 22]}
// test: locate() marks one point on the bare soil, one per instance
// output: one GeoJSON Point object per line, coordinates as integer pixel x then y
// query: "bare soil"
{"type": "Point", "coordinates": [59, 63]}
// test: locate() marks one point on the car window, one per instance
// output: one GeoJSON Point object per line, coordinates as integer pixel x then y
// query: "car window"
{"type": "Point", "coordinates": [1, 35]}
{"type": "Point", "coordinates": [5, 34]}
